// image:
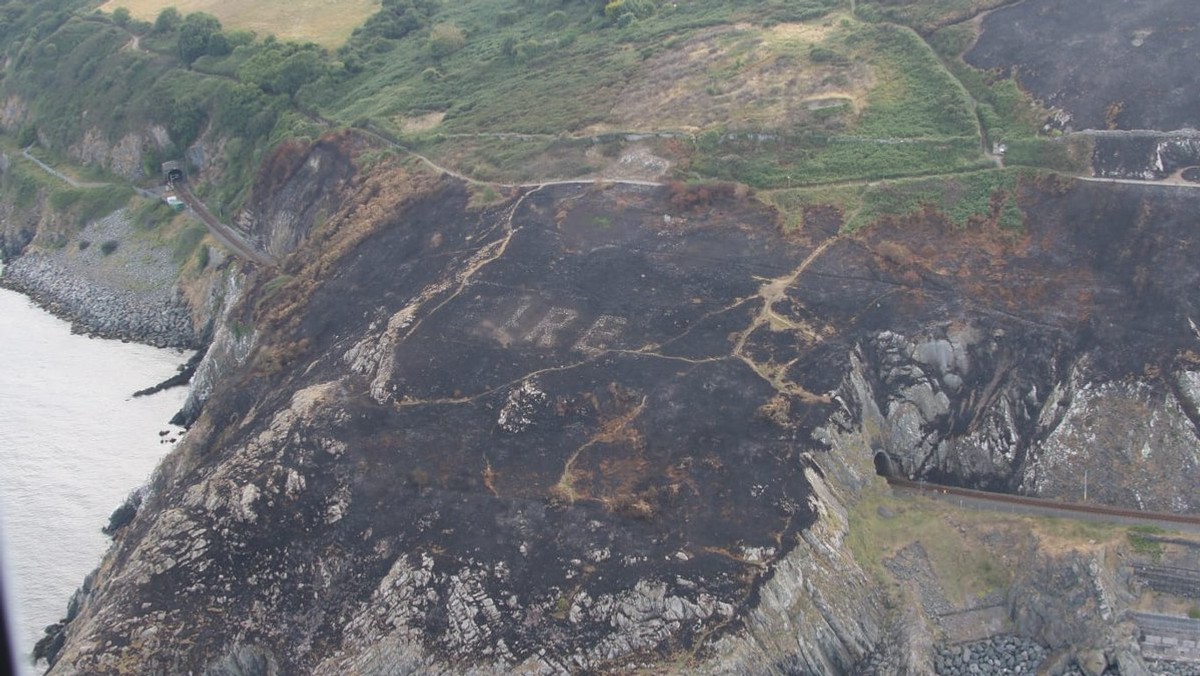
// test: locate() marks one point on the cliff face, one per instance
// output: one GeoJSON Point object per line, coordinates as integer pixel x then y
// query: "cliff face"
{"type": "Point", "coordinates": [1083, 355]}
{"type": "Point", "coordinates": [298, 187]}
{"type": "Point", "coordinates": [586, 429]}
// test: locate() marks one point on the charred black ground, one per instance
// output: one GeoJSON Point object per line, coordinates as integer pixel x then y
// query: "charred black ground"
{"type": "Point", "coordinates": [584, 391]}
{"type": "Point", "coordinates": [1113, 64]}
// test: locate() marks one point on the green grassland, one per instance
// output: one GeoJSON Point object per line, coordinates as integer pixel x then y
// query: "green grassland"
{"type": "Point", "coordinates": [963, 199]}
{"type": "Point", "coordinates": [776, 94]}
{"type": "Point", "coordinates": [926, 15]}
{"type": "Point", "coordinates": [965, 546]}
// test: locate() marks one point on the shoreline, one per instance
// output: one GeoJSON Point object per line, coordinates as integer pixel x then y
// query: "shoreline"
{"type": "Point", "coordinates": [97, 311]}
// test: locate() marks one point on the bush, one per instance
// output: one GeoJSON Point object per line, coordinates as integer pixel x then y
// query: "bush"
{"type": "Point", "coordinates": [445, 39]}
{"type": "Point", "coordinates": [1142, 540]}
{"type": "Point", "coordinates": [556, 19]}
{"type": "Point", "coordinates": [167, 21]}
{"type": "Point", "coordinates": [27, 136]}
{"type": "Point", "coordinates": [109, 246]}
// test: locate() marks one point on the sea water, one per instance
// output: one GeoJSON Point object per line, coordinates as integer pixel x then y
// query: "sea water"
{"type": "Point", "coordinates": [73, 444]}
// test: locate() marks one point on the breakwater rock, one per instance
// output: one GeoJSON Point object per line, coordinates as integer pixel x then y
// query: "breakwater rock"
{"type": "Point", "coordinates": [109, 284]}
{"type": "Point", "coordinates": [98, 310]}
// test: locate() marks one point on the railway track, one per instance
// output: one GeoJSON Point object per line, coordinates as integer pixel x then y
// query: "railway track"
{"type": "Point", "coordinates": [225, 234]}
{"type": "Point", "coordinates": [1042, 505]}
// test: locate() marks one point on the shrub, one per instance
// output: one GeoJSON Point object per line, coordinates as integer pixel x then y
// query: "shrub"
{"type": "Point", "coordinates": [167, 21]}
{"type": "Point", "coordinates": [84, 244]}
{"type": "Point", "coordinates": [556, 19]}
{"type": "Point", "coordinates": [27, 136]}
{"type": "Point", "coordinates": [1142, 539]}
{"type": "Point", "coordinates": [187, 241]}
{"type": "Point", "coordinates": [109, 246]}
{"type": "Point", "coordinates": [445, 39]}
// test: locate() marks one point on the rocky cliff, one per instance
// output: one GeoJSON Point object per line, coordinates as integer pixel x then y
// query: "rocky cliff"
{"type": "Point", "coordinates": [589, 429]}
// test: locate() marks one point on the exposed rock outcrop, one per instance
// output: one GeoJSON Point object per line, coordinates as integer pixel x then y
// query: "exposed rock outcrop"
{"type": "Point", "coordinates": [483, 441]}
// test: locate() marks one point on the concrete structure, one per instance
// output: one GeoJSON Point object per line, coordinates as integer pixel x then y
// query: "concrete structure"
{"type": "Point", "coordinates": [172, 171]}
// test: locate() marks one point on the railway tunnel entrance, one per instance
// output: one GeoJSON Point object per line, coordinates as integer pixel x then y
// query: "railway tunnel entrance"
{"type": "Point", "coordinates": [172, 172]}
{"type": "Point", "coordinates": [884, 466]}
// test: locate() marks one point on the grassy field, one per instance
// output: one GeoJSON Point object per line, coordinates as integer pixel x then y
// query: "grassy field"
{"type": "Point", "coordinates": [325, 22]}
{"type": "Point", "coordinates": [964, 546]}
{"type": "Point", "coordinates": [925, 16]}
{"type": "Point", "coordinates": [963, 199]}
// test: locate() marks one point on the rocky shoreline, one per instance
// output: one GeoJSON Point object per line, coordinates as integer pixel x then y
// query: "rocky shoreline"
{"type": "Point", "coordinates": [98, 311]}
{"type": "Point", "coordinates": [123, 289]}
{"type": "Point", "coordinates": [1016, 655]}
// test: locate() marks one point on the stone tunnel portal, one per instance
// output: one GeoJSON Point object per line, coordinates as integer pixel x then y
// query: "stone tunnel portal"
{"type": "Point", "coordinates": [883, 464]}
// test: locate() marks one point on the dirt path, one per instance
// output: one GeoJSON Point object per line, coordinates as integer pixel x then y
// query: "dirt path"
{"type": "Point", "coordinates": [1169, 182]}
{"type": "Point", "coordinates": [1174, 181]}
{"type": "Point", "coordinates": [85, 185]}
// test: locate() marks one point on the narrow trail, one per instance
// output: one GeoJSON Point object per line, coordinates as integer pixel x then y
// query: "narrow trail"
{"type": "Point", "coordinates": [85, 185]}
{"type": "Point", "coordinates": [537, 185]}
{"type": "Point", "coordinates": [1169, 182]}
{"type": "Point", "coordinates": [481, 259]}
{"type": "Point", "coordinates": [772, 291]}
{"type": "Point", "coordinates": [997, 160]}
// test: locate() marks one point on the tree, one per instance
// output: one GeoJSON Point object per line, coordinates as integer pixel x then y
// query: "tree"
{"type": "Point", "coordinates": [167, 21]}
{"type": "Point", "coordinates": [188, 115]}
{"type": "Point", "coordinates": [121, 16]}
{"type": "Point", "coordinates": [195, 34]}
{"type": "Point", "coordinates": [218, 44]}
{"type": "Point", "coordinates": [279, 69]}
{"type": "Point", "coordinates": [298, 70]}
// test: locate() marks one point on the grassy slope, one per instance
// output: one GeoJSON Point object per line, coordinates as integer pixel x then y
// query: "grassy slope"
{"type": "Point", "coordinates": [325, 22]}
{"type": "Point", "coordinates": [832, 99]}
{"type": "Point", "coordinates": [964, 546]}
